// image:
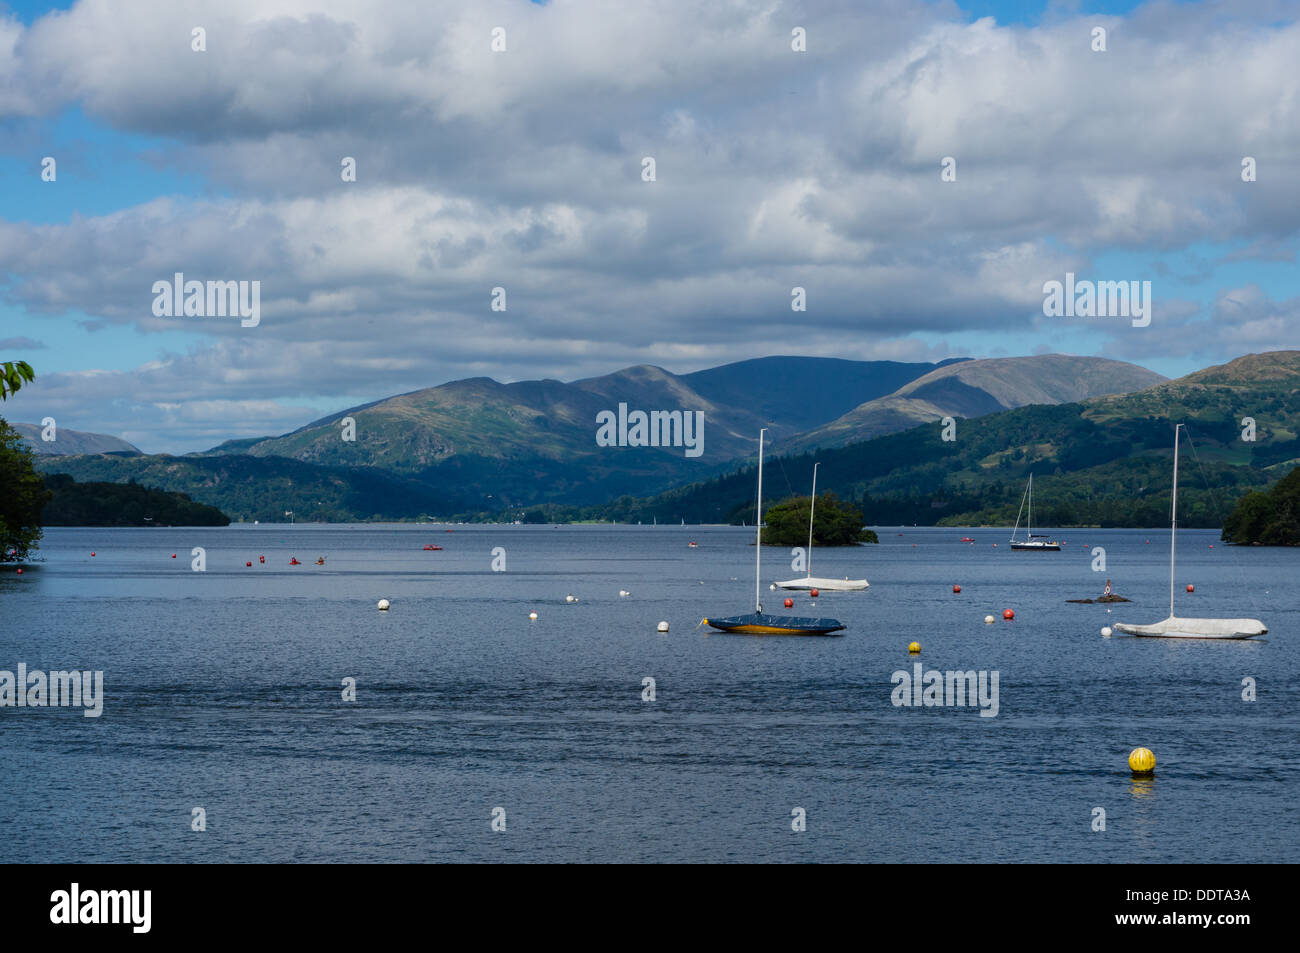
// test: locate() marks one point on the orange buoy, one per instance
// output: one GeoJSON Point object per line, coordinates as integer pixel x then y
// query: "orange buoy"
{"type": "Point", "coordinates": [1008, 614]}
{"type": "Point", "coordinates": [1191, 588]}
{"type": "Point", "coordinates": [814, 593]}
{"type": "Point", "coordinates": [956, 588]}
{"type": "Point", "coordinates": [789, 603]}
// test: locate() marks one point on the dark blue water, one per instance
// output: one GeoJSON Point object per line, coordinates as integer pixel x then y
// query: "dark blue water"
{"type": "Point", "coordinates": [223, 691]}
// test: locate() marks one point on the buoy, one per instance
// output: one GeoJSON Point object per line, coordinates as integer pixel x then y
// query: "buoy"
{"type": "Point", "coordinates": [956, 588]}
{"type": "Point", "coordinates": [383, 604]}
{"type": "Point", "coordinates": [1142, 760]}
{"type": "Point", "coordinates": [1105, 632]}
{"type": "Point", "coordinates": [814, 593]}
{"type": "Point", "coordinates": [571, 598]}
{"type": "Point", "coordinates": [1008, 614]}
{"type": "Point", "coordinates": [249, 563]}
{"type": "Point", "coordinates": [532, 616]}
{"type": "Point", "coordinates": [662, 627]}
{"type": "Point", "coordinates": [624, 593]}
{"type": "Point", "coordinates": [260, 559]}
{"type": "Point", "coordinates": [989, 620]}
{"type": "Point", "coordinates": [18, 571]}
{"type": "Point", "coordinates": [173, 555]}
{"type": "Point", "coordinates": [92, 554]}
{"type": "Point", "coordinates": [789, 603]}
{"type": "Point", "coordinates": [1191, 588]}
{"type": "Point", "coordinates": [772, 588]}
{"type": "Point", "coordinates": [914, 648]}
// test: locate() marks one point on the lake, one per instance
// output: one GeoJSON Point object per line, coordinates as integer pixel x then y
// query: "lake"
{"type": "Point", "coordinates": [223, 691]}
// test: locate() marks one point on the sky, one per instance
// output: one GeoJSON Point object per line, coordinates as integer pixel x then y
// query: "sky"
{"type": "Point", "coordinates": [523, 169]}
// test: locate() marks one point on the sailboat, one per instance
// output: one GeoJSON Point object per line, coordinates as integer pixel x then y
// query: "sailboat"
{"type": "Point", "coordinates": [809, 582]}
{"type": "Point", "coordinates": [757, 622]}
{"type": "Point", "coordinates": [1174, 627]}
{"type": "Point", "coordinates": [1035, 542]}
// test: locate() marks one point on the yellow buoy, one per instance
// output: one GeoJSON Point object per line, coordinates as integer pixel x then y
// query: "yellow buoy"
{"type": "Point", "coordinates": [914, 648]}
{"type": "Point", "coordinates": [1142, 760]}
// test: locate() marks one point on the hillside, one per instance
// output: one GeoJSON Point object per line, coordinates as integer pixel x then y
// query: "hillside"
{"type": "Point", "coordinates": [69, 442]}
{"type": "Point", "coordinates": [250, 488]}
{"type": "Point", "coordinates": [1105, 461]}
{"type": "Point", "coordinates": [975, 388]}
{"type": "Point", "coordinates": [122, 504]}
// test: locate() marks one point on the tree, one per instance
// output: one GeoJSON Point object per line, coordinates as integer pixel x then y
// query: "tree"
{"type": "Point", "coordinates": [835, 524]}
{"type": "Point", "coordinates": [13, 374]}
{"type": "Point", "coordinates": [1267, 519]}
{"type": "Point", "coordinates": [22, 497]}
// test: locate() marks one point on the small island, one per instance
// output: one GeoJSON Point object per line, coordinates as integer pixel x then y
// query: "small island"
{"type": "Point", "coordinates": [836, 523]}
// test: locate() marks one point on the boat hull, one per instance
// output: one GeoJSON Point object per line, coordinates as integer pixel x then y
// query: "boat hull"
{"type": "Point", "coordinates": [1176, 628]}
{"type": "Point", "coordinates": [764, 624]}
{"type": "Point", "coordinates": [1037, 547]}
{"type": "Point", "coordinates": [828, 585]}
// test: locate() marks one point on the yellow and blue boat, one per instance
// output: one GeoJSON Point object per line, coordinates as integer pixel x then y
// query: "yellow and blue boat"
{"type": "Point", "coordinates": [758, 622]}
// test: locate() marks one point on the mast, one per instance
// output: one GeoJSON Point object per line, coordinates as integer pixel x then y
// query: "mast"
{"type": "Point", "coordinates": [1173, 524]}
{"type": "Point", "coordinates": [1029, 517]}
{"type": "Point", "coordinates": [758, 528]}
{"type": "Point", "coordinates": [812, 509]}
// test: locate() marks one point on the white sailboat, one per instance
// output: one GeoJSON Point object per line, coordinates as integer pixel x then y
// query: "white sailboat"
{"type": "Point", "coordinates": [1040, 543]}
{"type": "Point", "coordinates": [814, 582]}
{"type": "Point", "coordinates": [1174, 627]}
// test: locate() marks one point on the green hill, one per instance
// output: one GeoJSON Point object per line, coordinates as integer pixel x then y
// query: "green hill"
{"type": "Point", "coordinates": [122, 504]}
{"type": "Point", "coordinates": [1106, 461]}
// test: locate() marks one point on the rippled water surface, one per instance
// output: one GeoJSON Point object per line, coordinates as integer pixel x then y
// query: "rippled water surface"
{"type": "Point", "coordinates": [223, 691]}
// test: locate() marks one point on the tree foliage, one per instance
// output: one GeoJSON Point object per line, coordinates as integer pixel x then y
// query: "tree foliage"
{"type": "Point", "coordinates": [1267, 519]}
{"type": "Point", "coordinates": [13, 374]}
{"type": "Point", "coordinates": [22, 496]}
{"type": "Point", "coordinates": [834, 523]}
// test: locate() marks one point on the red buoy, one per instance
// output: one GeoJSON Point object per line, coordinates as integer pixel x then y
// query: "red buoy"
{"type": "Point", "coordinates": [814, 593]}
{"type": "Point", "coordinates": [956, 588]}
{"type": "Point", "coordinates": [789, 603]}
{"type": "Point", "coordinates": [92, 554]}
{"type": "Point", "coordinates": [1008, 614]}
{"type": "Point", "coordinates": [249, 563]}
{"type": "Point", "coordinates": [261, 559]}
{"type": "Point", "coordinates": [19, 571]}
{"type": "Point", "coordinates": [1191, 588]}
{"type": "Point", "coordinates": [173, 555]}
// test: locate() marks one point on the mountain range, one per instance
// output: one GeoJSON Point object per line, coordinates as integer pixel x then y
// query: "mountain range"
{"type": "Point", "coordinates": [478, 446]}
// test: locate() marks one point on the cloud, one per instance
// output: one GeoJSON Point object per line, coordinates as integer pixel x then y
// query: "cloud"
{"type": "Point", "coordinates": [522, 169]}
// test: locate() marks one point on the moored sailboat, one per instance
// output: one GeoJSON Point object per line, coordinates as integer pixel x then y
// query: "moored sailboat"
{"type": "Point", "coordinates": [758, 622]}
{"type": "Point", "coordinates": [1174, 627]}
{"type": "Point", "coordinates": [1039, 543]}
{"type": "Point", "coordinates": [809, 581]}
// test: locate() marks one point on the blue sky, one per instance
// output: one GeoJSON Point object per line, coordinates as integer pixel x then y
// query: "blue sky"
{"type": "Point", "coordinates": [221, 161]}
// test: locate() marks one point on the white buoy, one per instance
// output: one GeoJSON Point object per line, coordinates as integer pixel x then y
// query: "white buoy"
{"type": "Point", "coordinates": [383, 604]}
{"type": "Point", "coordinates": [662, 627]}
{"type": "Point", "coordinates": [570, 598]}
{"type": "Point", "coordinates": [989, 620]}
{"type": "Point", "coordinates": [1105, 632]}
{"type": "Point", "coordinates": [532, 617]}
{"type": "Point", "coordinates": [623, 593]}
